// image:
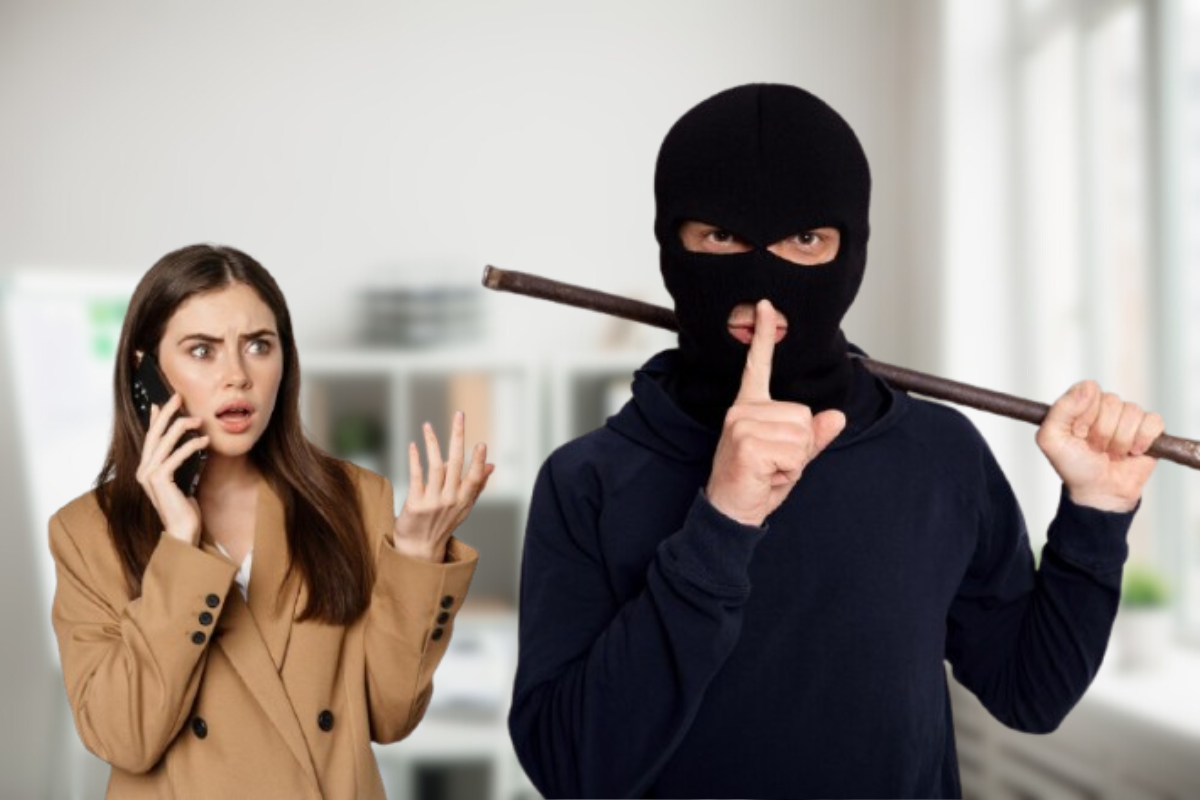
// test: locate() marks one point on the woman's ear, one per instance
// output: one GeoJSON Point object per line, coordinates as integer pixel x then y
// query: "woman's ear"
{"type": "Point", "coordinates": [137, 358]}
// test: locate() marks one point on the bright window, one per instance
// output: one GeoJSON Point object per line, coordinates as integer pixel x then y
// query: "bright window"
{"type": "Point", "coordinates": [1182, 180]}
{"type": "Point", "coordinates": [1106, 101]}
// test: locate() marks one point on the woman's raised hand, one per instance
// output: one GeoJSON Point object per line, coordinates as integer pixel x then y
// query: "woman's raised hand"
{"type": "Point", "coordinates": [434, 509]}
{"type": "Point", "coordinates": [161, 456]}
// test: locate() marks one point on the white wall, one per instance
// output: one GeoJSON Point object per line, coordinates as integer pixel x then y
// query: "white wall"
{"type": "Point", "coordinates": [349, 143]}
{"type": "Point", "coordinates": [336, 145]}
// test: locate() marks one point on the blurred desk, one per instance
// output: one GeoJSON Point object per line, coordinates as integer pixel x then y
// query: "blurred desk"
{"type": "Point", "coordinates": [462, 748]}
{"type": "Point", "coordinates": [463, 759]}
{"type": "Point", "coordinates": [1135, 734]}
{"type": "Point", "coordinates": [1166, 696]}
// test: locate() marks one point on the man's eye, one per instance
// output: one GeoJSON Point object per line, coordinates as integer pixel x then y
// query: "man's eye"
{"type": "Point", "coordinates": [808, 239]}
{"type": "Point", "coordinates": [721, 237]}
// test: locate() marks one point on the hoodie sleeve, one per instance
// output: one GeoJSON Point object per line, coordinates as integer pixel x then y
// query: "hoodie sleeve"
{"type": "Point", "coordinates": [605, 690]}
{"type": "Point", "coordinates": [1028, 643]}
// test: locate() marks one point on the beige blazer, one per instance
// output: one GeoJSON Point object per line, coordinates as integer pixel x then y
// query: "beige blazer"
{"type": "Point", "coordinates": [188, 692]}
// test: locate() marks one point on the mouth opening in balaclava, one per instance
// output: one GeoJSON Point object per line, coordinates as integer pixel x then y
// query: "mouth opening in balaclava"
{"type": "Point", "coordinates": [762, 162]}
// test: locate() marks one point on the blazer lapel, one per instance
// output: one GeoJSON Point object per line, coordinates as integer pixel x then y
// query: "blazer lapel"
{"type": "Point", "coordinates": [272, 601]}
{"type": "Point", "coordinates": [255, 637]}
{"type": "Point", "coordinates": [243, 644]}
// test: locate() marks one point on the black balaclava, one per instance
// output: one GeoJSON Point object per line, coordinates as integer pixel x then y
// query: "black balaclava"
{"type": "Point", "coordinates": [763, 162]}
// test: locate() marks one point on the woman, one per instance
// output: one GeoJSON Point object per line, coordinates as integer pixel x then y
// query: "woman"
{"type": "Point", "coordinates": [250, 641]}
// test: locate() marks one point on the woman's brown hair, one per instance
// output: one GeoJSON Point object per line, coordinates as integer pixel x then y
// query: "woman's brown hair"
{"type": "Point", "coordinates": [326, 535]}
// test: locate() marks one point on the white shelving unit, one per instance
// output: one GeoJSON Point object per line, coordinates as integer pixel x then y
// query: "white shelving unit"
{"type": "Point", "coordinates": [366, 405]}
{"type": "Point", "coordinates": [584, 392]}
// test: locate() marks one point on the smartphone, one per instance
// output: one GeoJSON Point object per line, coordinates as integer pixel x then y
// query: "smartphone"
{"type": "Point", "coordinates": [151, 387]}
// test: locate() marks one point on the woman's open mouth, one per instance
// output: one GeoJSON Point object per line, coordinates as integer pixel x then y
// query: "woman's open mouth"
{"type": "Point", "coordinates": [235, 417]}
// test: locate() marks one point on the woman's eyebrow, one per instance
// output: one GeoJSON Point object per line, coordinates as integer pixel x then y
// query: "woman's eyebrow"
{"type": "Point", "coordinates": [209, 338]}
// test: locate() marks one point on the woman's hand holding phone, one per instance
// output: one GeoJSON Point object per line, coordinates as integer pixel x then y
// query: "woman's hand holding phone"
{"type": "Point", "coordinates": [162, 454]}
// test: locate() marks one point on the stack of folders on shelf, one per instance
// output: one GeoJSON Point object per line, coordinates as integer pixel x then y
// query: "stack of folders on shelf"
{"type": "Point", "coordinates": [420, 316]}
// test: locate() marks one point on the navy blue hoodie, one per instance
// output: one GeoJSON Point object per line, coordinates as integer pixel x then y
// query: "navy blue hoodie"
{"type": "Point", "coordinates": [668, 651]}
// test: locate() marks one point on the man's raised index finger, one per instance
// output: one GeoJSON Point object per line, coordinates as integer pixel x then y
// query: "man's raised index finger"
{"type": "Point", "coordinates": [756, 379]}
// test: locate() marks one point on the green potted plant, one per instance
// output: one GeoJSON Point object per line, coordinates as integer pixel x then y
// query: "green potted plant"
{"type": "Point", "coordinates": [1144, 587]}
{"type": "Point", "coordinates": [1144, 619]}
{"type": "Point", "coordinates": [359, 438]}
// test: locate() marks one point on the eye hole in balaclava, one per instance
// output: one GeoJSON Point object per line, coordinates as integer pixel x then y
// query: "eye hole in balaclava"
{"type": "Point", "coordinates": [806, 249]}
{"type": "Point", "coordinates": [766, 161]}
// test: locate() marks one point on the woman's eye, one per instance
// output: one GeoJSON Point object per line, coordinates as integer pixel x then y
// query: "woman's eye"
{"type": "Point", "coordinates": [201, 351]}
{"type": "Point", "coordinates": [260, 346]}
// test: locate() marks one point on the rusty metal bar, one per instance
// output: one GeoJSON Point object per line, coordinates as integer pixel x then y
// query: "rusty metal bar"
{"type": "Point", "coordinates": [1182, 451]}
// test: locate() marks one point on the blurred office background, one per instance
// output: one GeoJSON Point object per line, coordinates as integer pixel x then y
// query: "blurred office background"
{"type": "Point", "coordinates": [1035, 221]}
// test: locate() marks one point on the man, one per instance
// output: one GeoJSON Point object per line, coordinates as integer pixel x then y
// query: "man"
{"type": "Point", "coordinates": [746, 583]}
